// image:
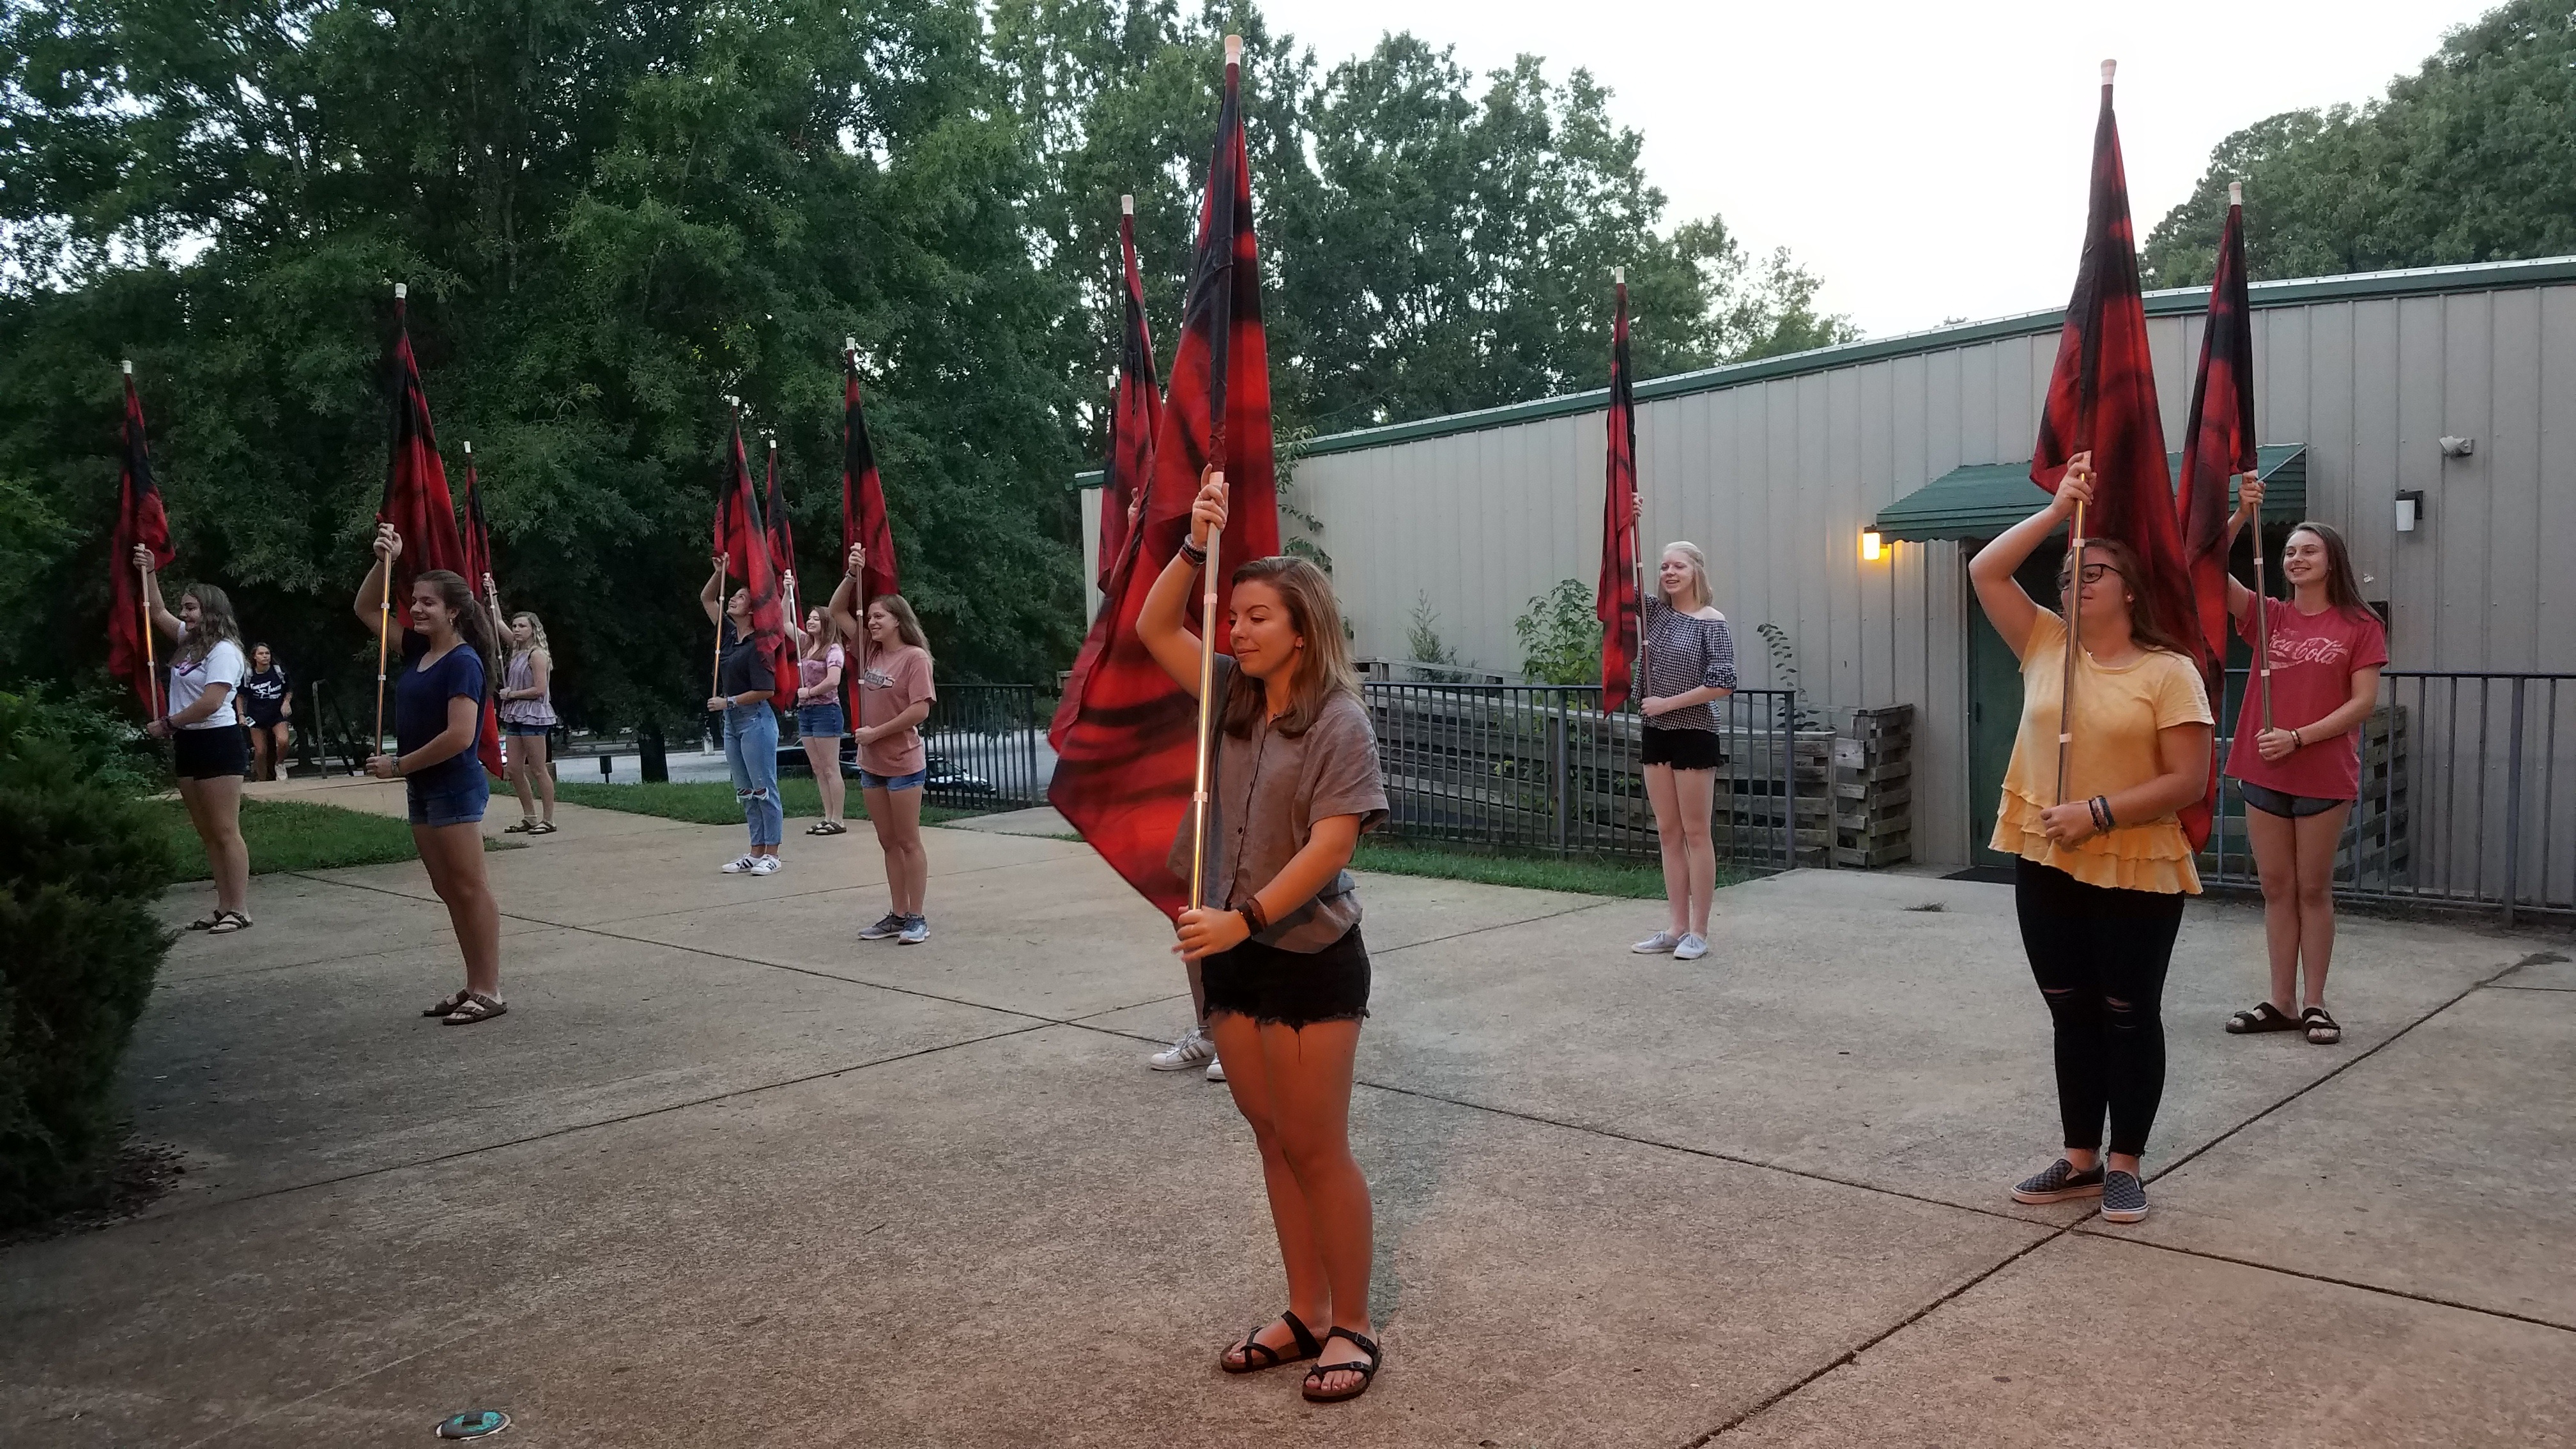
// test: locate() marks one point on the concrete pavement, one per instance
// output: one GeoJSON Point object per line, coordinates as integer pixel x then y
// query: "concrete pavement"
{"type": "Point", "coordinates": [726, 1175]}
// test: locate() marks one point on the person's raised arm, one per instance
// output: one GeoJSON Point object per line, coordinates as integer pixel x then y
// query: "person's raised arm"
{"type": "Point", "coordinates": [2007, 606]}
{"type": "Point", "coordinates": [711, 598]}
{"type": "Point", "coordinates": [2249, 505]}
{"type": "Point", "coordinates": [369, 606]}
{"type": "Point", "coordinates": [845, 602]}
{"type": "Point", "coordinates": [158, 612]}
{"type": "Point", "coordinates": [1163, 623]}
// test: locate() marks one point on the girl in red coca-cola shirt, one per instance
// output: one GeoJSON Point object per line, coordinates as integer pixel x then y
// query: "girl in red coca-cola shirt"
{"type": "Point", "coordinates": [2300, 776]}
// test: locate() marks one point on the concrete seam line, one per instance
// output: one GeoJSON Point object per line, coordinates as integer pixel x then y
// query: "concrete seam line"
{"type": "Point", "coordinates": [2347, 1064]}
{"type": "Point", "coordinates": [1874, 1340]}
{"type": "Point", "coordinates": [274, 1411]}
{"type": "Point", "coordinates": [2511, 986]}
{"type": "Point", "coordinates": [2087, 1228]}
{"type": "Point", "coordinates": [570, 1128]}
{"type": "Point", "coordinates": [1499, 925]}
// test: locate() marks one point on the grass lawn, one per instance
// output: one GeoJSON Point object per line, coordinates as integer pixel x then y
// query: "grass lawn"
{"type": "Point", "coordinates": [298, 835]}
{"type": "Point", "coordinates": [711, 802]}
{"type": "Point", "coordinates": [1637, 880]}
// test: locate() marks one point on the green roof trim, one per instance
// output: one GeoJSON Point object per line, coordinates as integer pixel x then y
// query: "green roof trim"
{"type": "Point", "coordinates": [2179, 301]}
{"type": "Point", "coordinates": [1983, 499]}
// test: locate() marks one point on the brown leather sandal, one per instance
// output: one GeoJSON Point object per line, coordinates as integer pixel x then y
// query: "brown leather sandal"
{"type": "Point", "coordinates": [1271, 1358]}
{"type": "Point", "coordinates": [1315, 1394]}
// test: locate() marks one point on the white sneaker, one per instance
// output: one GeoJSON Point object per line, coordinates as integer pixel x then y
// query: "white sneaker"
{"type": "Point", "coordinates": [1216, 1070]}
{"type": "Point", "coordinates": [765, 864]}
{"type": "Point", "coordinates": [1690, 947]}
{"type": "Point", "coordinates": [1192, 1049]}
{"type": "Point", "coordinates": [739, 865]}
{"type": "Point", "coordinates": [1657, 944]}
{"type": "Point", "coordinates": [916, 929]}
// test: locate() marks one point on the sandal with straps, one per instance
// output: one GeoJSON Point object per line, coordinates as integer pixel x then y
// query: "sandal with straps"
{"type": "Point", "coordinates": [206, 923]}
{"type": "Point", "coordinates": [227, 922]}
{"type": "Point", "coordinates": [475, 1007]}
{"type": "Point", "coordinates": [448, 1006]}
{"type": "Point", "coordinates": [1307, 1348]}
{"type": "Point", "coordinates": [2264, 1017]}
{"type": "Point", "coordinates": [1367, 1371]}
{"type": "Point", "coordinates": [2323, 1029]}
{"type": "Point", "coordinates": [542, 827]}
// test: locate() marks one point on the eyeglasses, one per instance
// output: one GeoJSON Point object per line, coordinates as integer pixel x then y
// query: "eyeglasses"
{"type": "Point", "coordinates": [2093, 573]}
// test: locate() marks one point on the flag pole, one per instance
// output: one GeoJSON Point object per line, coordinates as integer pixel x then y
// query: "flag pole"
{"type": "Point", "coordinates": [143, 606]}
{"type": "Point", "coordinates": [2262, 615]}
{"type": "Point", "coordinates": [1224, 339]}
{"type": "Point", "coordinates": [1636, 547]}
{"type": "Point", "coordinates": [2075, 536]}
{"type": "Point", "coordinates": [385, 603]}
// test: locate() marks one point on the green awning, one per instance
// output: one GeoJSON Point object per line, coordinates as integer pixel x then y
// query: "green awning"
{"type": "Point", "coordinates": [1984, 499]}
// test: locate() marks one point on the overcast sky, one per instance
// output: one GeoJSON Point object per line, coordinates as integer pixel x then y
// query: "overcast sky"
{"type": "Point", "coordinates": [1928, 161]}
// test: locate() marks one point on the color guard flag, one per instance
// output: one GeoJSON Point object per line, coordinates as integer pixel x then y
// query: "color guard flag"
{"type": "Point", "coordinates": [139, 520]}
{"type": "Point", "coordinates": [863, 505]}
{"type": "Point", "coordinates": [1136, 409]}
{"type": "Point", "coordinates": [477, 535]}
{"type": "Point", "coordinates": [2102, 399]}
{"type": "Point", "coordinates": [2218, 443]}
{"type": "Point", "coordinates": [743, 540]}
{"type": "Point", "coordinates": [416, 502]}
{"type": "Point", "coordinates": [782, 534]}
{"type": "Point", "coordinates": [1615, 601]}
{"type": "Point", "coordinates": [1126, 750]}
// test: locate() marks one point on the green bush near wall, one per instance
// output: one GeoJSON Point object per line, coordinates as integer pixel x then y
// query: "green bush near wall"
{"type": "Point", "coordinates": [81, 860]}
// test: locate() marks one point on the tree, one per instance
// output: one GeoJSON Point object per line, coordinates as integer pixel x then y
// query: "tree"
{"type": "Point", "coordinates": [2471, 159]}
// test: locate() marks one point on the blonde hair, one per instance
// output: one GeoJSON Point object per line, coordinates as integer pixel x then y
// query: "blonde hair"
{"type": "Point", "coordinates": [215, 624]}
{"type": "Point", "coordinates": [537, 628]}
{"type": "Point", "coordinates": [1323, 666]}
{"type": "Point", "coordinates": [1702, 594]}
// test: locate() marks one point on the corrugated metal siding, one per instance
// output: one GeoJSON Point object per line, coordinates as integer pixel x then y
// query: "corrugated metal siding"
{"type": "Point", "coordinates": [1776, 477]}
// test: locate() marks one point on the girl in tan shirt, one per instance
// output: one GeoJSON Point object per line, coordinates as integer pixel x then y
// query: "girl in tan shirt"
{"type": "Point", "coordinates": [2101, 878]}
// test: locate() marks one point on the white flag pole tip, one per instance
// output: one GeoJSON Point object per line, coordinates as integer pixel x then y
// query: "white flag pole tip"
{"type": "Point", "coordinates": [2236, 193]}
{"type": "Point", "coordinates": [1127, 206]}
{"type": "Point", "coordinates": [2109, 68]}
{"type": "Point", "coordinates": [401, 290]}
{"type": "Point", "coordinates": [469, 448]}
{"type": "Point", "coordinates": [129, 367]}
{"type": "Point", "coordinates": [1234, 50]}
{"type": "Point", "coordinates": [1619, 275]}
{"type": "Point", "coordinates": [849, 344]}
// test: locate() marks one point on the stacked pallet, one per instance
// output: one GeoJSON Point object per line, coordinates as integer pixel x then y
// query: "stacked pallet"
{"type": "Point", "coordinates": [1873, 786]}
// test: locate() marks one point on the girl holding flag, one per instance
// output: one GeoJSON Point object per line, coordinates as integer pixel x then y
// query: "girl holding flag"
{"type": "Point", "coordinates": [201, 722]}
{"type": "Point", "coordinates": [744, 684]}
{"type": "Point", "coordinates": [895, 695]}
{"type": "Point", "coordinates": [527, 709]}
{"type": "Point", "coordinates": [438, 717]}
{"type": "Point", "coordinates": [2102, 873]}
{"type": "Point", "coordinates": [1293, 784]}
{"type": "Point", "coordinates": [2325, 649]}
{"type": "Point", "coordinates": [1690, 665]}
{"type": "Point", "coordinates": [820, 720]}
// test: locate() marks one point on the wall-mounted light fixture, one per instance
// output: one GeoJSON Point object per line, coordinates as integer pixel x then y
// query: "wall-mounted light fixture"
{"type": "Point", "coordinates": [2458, 447]}
{"type": "Point", "coordinates": [1871, 545]}
{"type": "Point", "coordinates": [2410, 508]}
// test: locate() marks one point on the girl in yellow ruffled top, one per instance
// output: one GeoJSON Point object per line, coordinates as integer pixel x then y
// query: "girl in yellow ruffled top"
{"type": "Point", "coordinates": [2100, 880]}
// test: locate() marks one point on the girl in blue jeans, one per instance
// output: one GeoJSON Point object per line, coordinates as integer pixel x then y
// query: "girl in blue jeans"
{"type": "Point", "coordinates": [744, 683]}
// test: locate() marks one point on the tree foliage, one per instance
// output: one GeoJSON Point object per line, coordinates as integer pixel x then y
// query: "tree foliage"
{"type": "Point", "coordinates": [2470, 159]}
{"type": "Point", "coordinates": [612, 215]}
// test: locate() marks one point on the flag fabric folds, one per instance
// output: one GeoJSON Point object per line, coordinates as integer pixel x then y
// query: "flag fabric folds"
{"type": "Point", "coordinates": [140, 519]}
{"type": "Point", "coordinates": [1136, 410]}
{"type": "Point", "coordinates": [2218, 442]}
{"type": "Point", "coordinates": [1615, 601]}
{"type": "Point", "coordinates": [416, 502]}
{"type": "Point", "coordinates": [1126, 746]}
{"type": "Point", "coordinates": [782, 534]}
{"type": "Point", "coordinates": [863, 505]}
{"type": "Point", "coordinates": [477, 537]}
{"type": "Point", "coordinates": [742, 538]}
{"type": "Point", "coordinates": [2102, 399]}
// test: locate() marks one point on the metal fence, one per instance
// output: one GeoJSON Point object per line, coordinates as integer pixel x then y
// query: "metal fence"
{"type": "Point", "coordinates": [2468, 795]}
{"type": "Point", "coordinates": [1539, 768]}
{"type": "Point", "coordinates": [982, 742]}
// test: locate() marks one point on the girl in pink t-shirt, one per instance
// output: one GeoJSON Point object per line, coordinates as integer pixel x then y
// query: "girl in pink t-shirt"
{"type": "Point", "coordinates": [2300, 774]}
{"type": "Point", "coordinates": [892, 674]}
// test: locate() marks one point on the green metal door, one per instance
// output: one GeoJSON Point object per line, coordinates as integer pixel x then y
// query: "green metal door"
{"type": "Point", "coordinates": [1994, 698]}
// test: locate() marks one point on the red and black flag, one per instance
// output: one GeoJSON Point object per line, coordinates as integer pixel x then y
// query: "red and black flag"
{"type": "Point", "coordinates": [1126, 751]}
{"type": "Point", "coordinates": [2218, 443]}
{"type": "Point", "coordinates": [743, 540]}
{"type": "Point", "coordinates": [477, 534]}
{"type": "Point", "coordinates": [1136, 405]}
{"type": "Point", "coordinates": [139, 520]}
{"type": "Point", "coordinates": [1615, 601]}
{"type": "Point", "coordinates": [863, 505]}
{"type": "Point", "coordinates": [773, 506]}
{"type": "Point", "coordinates": [2102, 399]}
{"type": "Point", "coordinates": [416, 502]}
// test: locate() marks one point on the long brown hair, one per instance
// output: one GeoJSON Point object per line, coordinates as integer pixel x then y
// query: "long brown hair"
{"type": "Point", "coordinates": [1323, 667]}
{"type": "Point", "coordinates": [472, 625]}
{"type": "Point", "coordinates": [215, 624]}
{"type": "Point", "coordinates": [2343, 586]}
{"type": "Point", "coordinates": [819, 641]}
{"type": "Point", "coordinates": [2146, 624]}
{"type": "Point", "coordinates": [907, 626]}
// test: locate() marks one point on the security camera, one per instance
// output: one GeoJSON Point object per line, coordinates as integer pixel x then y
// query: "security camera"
{"type": "Point", "coordinates": [2458, 447]}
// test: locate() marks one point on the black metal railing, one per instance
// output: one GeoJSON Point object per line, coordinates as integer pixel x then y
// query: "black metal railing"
{"type": "Point", "coordinates": [1539, 768]}
{"type": "Point", "coordinates": [983, 742]}
{"type": "Point", "coordinates": [2468, 795]}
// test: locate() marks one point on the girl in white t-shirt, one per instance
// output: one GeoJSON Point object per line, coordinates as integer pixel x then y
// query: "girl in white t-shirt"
{"type": "Point", "coordinates": [204, 728]}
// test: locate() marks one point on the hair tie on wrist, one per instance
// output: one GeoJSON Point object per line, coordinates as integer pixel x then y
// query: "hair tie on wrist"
{"type": "Point", "coordinates": [1253, 919]}
{"type": "Point", "coordinates": [1192, 551]}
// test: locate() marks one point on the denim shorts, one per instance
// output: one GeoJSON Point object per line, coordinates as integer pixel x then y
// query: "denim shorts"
{"type": "Point", "coordinates": [2281, 803]}
{"type": "Point", "coordinates": [1289, 988]}
{"type": "Point", "coordinates": [820, 721]}
{"type": "Point", "coordinates": [871, 781]}
{"type": "Point", "coordinates": [460, 805]}
{"type": "Point", "coordinates": [513, 727]}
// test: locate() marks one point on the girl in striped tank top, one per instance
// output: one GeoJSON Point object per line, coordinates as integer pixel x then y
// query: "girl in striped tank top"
{"type": "Point", "coordinates": [1690, 664]}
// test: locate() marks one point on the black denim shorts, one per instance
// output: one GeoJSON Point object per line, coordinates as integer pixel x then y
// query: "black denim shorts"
{"type": "Point", "coordinates": [1291, 988]}
{"type": "Point", "coordinates": [2276, 802]}
{"type": "Point", "coordinates": [1683, 749]}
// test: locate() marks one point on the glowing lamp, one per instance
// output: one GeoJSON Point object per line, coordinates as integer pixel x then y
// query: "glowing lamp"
{"type": "Point", "coordinates": [1871, 545]}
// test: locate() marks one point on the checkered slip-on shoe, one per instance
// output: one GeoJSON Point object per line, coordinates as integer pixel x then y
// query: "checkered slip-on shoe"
{"type": "Point", "coordinates": [2124, 1198]}
{"type": "Point", "coordinates": [2060, 1182]}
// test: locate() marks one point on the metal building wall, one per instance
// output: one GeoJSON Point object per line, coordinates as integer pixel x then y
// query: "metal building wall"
{"type": "Point", "coordinates": [1776, 477]}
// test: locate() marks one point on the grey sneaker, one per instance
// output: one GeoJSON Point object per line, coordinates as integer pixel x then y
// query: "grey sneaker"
{"type": "Point", "coordinates": [1690, 947]}
{"type": "Point", "coordinates": [887, 927]}
{"type": "Point", "coordinates": [916, 929]}
{"type": "Point", "coordinates": [2060, 1182]}
{"type": "Point", "coordinates": [1658, 944]}
{"type": "Point", "coordinates": [2124, 1198]}
{"type": "Point", "coordinates": [1191, 1050]}
{"type": "Point", "coordinates": [1216, 1070]}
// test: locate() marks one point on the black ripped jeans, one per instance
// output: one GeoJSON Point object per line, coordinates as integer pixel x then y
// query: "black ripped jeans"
{"type": "Point", "coordinates": [2100, 954]}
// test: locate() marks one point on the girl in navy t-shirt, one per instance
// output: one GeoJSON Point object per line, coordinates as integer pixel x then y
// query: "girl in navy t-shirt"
{"type": "Point", "coordinates": [439, 701]}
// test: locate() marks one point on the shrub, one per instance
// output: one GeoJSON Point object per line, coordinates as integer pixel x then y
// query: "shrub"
{"type": "Point", "coordinates": [1560, 637]}
{"type": "Point", "coordinates": [81, 859]}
